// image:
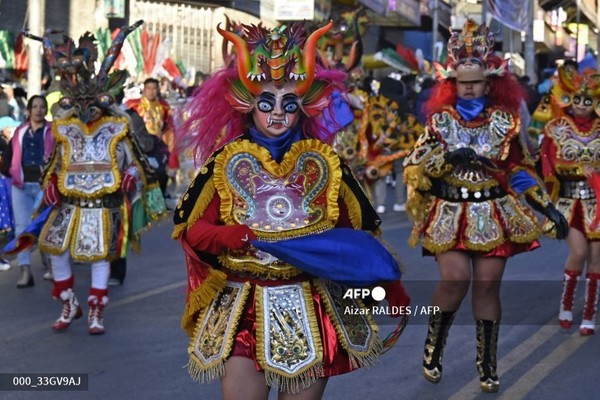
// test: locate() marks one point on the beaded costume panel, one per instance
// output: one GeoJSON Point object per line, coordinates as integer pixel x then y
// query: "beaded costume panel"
{"type": "Point", "coordinates": [88, 165]}
{"type": "Point", "coordinates": [572, 150]}
{"type": "Point", "coordinates": [294, 198]}
{"type": "Point", "coordinates": [468, 207]}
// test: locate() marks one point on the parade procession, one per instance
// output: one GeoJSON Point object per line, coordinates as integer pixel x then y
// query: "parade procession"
{"type": "Point", "coordinates": [299, 200]}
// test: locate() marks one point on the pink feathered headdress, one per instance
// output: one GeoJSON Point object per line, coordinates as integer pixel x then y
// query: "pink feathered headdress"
{"type": "Point", "coordinates": [220, 109]}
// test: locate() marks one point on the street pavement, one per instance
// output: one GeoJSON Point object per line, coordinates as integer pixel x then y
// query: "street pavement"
{"type": "Point", "coordinates": [143, 353]}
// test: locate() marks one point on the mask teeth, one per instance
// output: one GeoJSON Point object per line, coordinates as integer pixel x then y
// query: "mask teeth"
{"type": "Point", "coordinates": [286, 122]}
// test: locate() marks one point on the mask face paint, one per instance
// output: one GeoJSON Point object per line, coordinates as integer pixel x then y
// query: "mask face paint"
{"type": "Point", "coordinates": [582, 106]}
{"type": "Point", "coordinates": [277, 110]}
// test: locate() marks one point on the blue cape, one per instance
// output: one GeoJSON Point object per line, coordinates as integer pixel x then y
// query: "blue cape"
{"type": "Point", "coordinates": [27, 238]}
{"type": "Point", "coordinates": [349, 256]}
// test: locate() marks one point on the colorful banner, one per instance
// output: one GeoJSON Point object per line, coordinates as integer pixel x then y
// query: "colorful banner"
{"type": "Point", "coordinates": [510, 13]}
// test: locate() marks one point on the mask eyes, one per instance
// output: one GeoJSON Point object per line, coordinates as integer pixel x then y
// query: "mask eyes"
{"type": "Point", "coordinates": [105, 100]}
{"type": "Point", "coordinates": [66, 103]}
{"type": "Point", "coordinates": [265, 106]}
{"type": "Point", "coordinates": [586, 101]}
{"type": "Point", "coordinates": [291, 107]}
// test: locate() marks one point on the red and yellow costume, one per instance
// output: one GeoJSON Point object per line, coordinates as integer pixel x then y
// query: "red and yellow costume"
{"type": "Point", "coordinates": [571, 146]}
{"type": "Point", "coordinates": [243, 301]}
{"type": "Point", "coordinates": [156, 114]}
{"type": "Point", "coordinates": [465, 176]}
{"type": "Point", "coordinates": [472, 207]}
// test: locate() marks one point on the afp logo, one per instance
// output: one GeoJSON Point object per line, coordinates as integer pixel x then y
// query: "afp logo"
{"type": "Point", "coordinates": [377, 293]}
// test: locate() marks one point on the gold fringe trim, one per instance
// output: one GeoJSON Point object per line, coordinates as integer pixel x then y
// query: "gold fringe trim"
{"type": "Point", "coordinates": [555, 187]}
{"type": "Point", "coordinates": [296, 383]}
{"type": "Point", "coordinates": [357, 359]}
{"type": "Point", "coordinates": [438, 248]}
{"type": "Point", "coordinates": [216, 369]}
{"type": "Point", "coordinates": [274, 236]}
{"type": "Point", "coordinates": [413, 239]}
{"type": "Point", "coordinates": [202, 202]}
{"type": "Point", "coordinates": [415, 177]}
{"type": "Point", "coordinates": [353, 205]}
{"type": "Point", "coordinates": [285, 271]}
{"type": "Point", "coordinates": [369, 359]}
{"type": "Point", "coordinates": [223, 187]}
{"type": "Point", "coordinates": [204, 375]}
{"type": "Point", "coordinates": [201, 298]}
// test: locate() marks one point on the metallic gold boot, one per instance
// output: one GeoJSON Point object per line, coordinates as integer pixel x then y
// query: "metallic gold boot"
{"type": "Point", "coordinates": [439, 325]}
{"type": "Point", "coordinates": [487, 343]}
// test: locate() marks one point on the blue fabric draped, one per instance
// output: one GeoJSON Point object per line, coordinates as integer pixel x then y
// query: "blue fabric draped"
{"type": "Point", "coordinates": [338, 115]}
{"type": "Point", "coordinates": [27, 238]}
{"type": "Point", "coordinates": [521, 181]}
{"type": "Point", "coordinates": [469, 109]}
{"type": "Point", "coordinates": [277, 146]}
{"type": "Point", "coordinates": [345, 255]}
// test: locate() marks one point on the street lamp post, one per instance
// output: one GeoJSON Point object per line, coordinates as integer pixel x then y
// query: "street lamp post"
{"type": "Point", "coordinates": [530, 46]}
{"type": "Point", "coordinates": [34, 67]}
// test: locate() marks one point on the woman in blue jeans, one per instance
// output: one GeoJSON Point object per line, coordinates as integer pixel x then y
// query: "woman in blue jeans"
{"type": "Point", "coordinates": [28, 151]}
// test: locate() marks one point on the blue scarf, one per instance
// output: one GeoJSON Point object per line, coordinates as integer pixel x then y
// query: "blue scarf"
{"type": "Point", "coordinates": [277, 146]}
{"type": "Point", "coordinates": [469, 109]}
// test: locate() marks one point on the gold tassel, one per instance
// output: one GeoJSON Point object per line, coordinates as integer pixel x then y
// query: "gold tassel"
{"type": "Point", "coordinates": [201, 298]}
{"type": "Point", "coordinates": [415, 177]}
{"type": "Point", "coordinates": [354, 212]}
{"type": "Point", "coordinates": [295, 383]}
{"type": "Point", "coordinates": [369, 359]}
{"type": "Point", "coordinates": [204, 375]}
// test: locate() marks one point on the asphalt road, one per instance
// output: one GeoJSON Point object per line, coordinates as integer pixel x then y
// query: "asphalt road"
{"type": "Point", "coordinates": [143, 353]}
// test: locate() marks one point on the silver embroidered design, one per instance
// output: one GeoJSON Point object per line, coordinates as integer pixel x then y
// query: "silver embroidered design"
{"type": "Point", "coordinates": [443, 229]}
{"type": "Point", "coordinates": [89, 166]}
{"type": "Point", "coordinates": [482, 227]}
{"type": "Point", "coordinates": [575, 147]}
{"type": "Point", "coordinates": [56, 230]}
{"type": "Point", "coordinates": [278, 203]}
{"type": "Point", "coordinates": [486, 139]}
{"type": "Point", "coordinates": [518, 225]}
{"type": "Point", "coordinates": [90, 238]}
{"type": "Point", "coordinates": [289, 340]}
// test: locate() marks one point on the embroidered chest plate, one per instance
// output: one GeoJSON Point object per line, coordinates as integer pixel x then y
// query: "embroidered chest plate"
{"type": "Point", "coordinates": [89, 160]}
{"type": "Point", "coordinates": [575, 146]}
{"type": "Point", "coordinates": [487, 138]}
{"type": "Point", "coordinates": [290, 199]}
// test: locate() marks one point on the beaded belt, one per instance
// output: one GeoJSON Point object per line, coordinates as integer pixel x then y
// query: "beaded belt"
{"type": "Point", "coordinates": [449, 192]}
{"type": "Point", "coordinates": [576, 190]}
{"type": "Point", "coordinates": [113, 200]}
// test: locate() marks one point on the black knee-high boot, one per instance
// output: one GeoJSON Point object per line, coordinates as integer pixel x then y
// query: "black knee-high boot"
{"type": "Point", "coordinates": [487, 343]}
{"type": "Point", "coordinates": [439, 325]}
